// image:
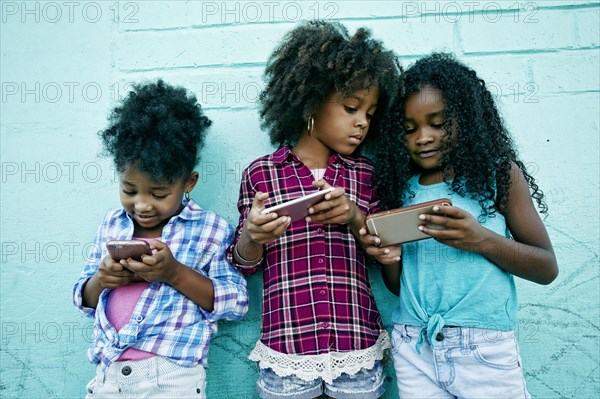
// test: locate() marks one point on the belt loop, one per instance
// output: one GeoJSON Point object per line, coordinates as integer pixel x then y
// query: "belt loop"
{"type": "Point", "coordinates": [154, 368]}
{"type": "Point", "coordinates": [465, 333]}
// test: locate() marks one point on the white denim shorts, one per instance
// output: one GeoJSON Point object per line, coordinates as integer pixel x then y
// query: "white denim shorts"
{"type": "Point", "coordinates": [463, 363]}
{"type": "Point", "coordinates": [155, 377]}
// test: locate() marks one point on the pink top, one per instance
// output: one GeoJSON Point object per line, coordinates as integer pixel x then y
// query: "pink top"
{"type": "Point", "coordinates": [119, 306]}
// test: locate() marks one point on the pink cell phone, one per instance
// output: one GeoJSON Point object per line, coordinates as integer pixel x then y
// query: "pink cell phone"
{"type": "Point", "coordinates": [125, 249]}
{"type": "Point", "coordinates": [297, 208]}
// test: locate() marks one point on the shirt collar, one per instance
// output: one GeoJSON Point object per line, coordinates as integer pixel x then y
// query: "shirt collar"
{"type": "Point", "coordinates": [285, 153]}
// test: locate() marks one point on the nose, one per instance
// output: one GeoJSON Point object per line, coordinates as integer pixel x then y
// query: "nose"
{"type": "Point", "coordinates": [362, 121]}
{"type": "Point", "coordinates": [424, 136]}
{"type": "Point", "coordinates": [142, 205]}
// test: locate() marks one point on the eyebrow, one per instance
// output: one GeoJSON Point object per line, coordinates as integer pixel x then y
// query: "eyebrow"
{"type": "Point", "coordinates": [151, 187]}
{"type": "Point", "coordinates": [429, 115]}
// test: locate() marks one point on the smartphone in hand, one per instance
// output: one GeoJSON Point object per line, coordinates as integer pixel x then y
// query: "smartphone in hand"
{"type": "Point", "coordinates": [401, 225]}
{"type": "Point", "coordinates": [125, 249]}
{"type": "Point", "coordinates": [297, 208]}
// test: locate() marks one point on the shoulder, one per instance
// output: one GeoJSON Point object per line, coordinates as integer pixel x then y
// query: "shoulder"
{"type": "Point", "coordinates": [204, 223]}
{"type": "Point", "coordinates": [362, 163]}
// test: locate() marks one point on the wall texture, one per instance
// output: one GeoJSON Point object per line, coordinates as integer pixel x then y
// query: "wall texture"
{"type": "Point", "coordinates": [64, 64]}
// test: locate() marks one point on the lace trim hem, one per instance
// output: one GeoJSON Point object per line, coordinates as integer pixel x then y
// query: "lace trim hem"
{"type": "Point", "coordinates": [327, 366]}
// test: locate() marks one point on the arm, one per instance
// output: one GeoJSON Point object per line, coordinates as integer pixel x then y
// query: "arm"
{"type": "Point", "coordinates": [164, 267]}
{"type": "Point", "coordinates": [337, 208]}
{"type": "Point", "coordinates": [529, 255]}
{"type": "Point", "coordinates": [253, 229]}
{"type": "Point", "coordinates": [99, 273]}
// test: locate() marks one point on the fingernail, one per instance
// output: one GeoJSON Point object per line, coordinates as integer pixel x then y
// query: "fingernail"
{"type": "Point", "coordinates": [377, 241]}
{"type": "Point", "coordinates": [386, 251]}
{"type": "Point", "coordinates": [307, 219]}
{"type": "Point", "coordinates": [421, 228]}
{"type": "Point", "coordinates": [311, 211]}
{"type": "Point", "coordinates": [422, 217]}
{"type": "Point", "coordinates": [436, 208]}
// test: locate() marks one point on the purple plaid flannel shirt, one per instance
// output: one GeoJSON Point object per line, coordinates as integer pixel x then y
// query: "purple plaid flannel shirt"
{"type": "Point", "coordinates": [316, 292]}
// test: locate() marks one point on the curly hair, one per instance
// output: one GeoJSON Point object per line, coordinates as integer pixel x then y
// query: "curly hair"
{"type": "Point", "coordinates": [315, 60]}
{"type": "Point", "coordinates": [158, 128]}
{"type": "Point", "coordinates": [478, 161]}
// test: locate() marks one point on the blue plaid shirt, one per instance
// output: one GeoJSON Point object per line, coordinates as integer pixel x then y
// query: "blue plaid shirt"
{"type": "Point", "coordinates": [164, 321]}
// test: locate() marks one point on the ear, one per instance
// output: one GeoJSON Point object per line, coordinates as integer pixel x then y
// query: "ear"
{"type": "Point", "coordinates": [191, 182]}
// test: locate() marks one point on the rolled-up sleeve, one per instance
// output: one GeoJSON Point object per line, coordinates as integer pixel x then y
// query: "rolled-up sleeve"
{"type": "Point", "coordinates": [230, 290]}
{"type": "Point", "coordinates": [92, 262]}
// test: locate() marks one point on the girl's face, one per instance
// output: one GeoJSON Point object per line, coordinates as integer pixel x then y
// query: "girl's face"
{"type": "Point", "coordinates": [424, 121]}
{"type": "Point", "coordinates": [151, 204]}
{"type": "Point", "coordinates": [342, 123]}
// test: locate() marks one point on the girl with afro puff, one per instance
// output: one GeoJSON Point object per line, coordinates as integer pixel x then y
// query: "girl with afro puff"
{"type": "Point", "coordinates": [321, 331]}
{"type": "Point", "coordinates": [153, 318]}
{"type": "Point", "coordinates": [454, 325]}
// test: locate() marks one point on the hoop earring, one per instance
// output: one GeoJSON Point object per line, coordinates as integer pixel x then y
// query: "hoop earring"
{"type": "Point", "coordinates": [311, 125]}
{"type": "Point", "coordinates": [186, 195]}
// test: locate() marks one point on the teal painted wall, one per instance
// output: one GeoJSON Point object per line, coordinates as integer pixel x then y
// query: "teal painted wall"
{"type": "Point", "coordinates": [63, 65]}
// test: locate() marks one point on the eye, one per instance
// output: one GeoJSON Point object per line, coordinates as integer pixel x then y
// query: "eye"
{"type": "Point", "coordinates": [369, 116]}
{"type": "Point", "coordinates": [438, 125]}
{"type": "Point", "coordinates": [409, 129]}
{"type": "Point", "coordinates": [129, 193]}
{"type": "Point", "coordinates": [159, 197]}
{"type": "Point", "coordinates": [350, 109]}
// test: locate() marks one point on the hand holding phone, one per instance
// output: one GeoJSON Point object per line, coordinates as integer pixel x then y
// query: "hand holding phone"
{"type": "Point", "coordinates": [125, 249]}
{"type": "Point", "coordinates": [297, 208]}
{"type": "Point", "coordinates": [401, 225]}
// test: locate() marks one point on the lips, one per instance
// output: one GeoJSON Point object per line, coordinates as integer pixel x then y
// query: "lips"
{"type": "Point", "coordinates": [427, 153]}
{"type": "Point", "coordinates": [144, 218]}
{"type": "Point", "coordinates": [356, 139]}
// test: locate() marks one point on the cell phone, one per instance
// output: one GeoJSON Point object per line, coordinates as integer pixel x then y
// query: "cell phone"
{"type": "Point", "coordinates": [401, 225]}
{"type": "Point", "coordinates": [297, 208]}
{"type": "Point", "coordinates": [125, 249]}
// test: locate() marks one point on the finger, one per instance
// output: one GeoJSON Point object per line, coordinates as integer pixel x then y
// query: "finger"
{"type": "Point", "coordinates": [259, 200]}
{"type": "Point", "coordinates": [273, 225]}
{"type": "Point", "coordinates": [282, 228]}
{"type": "Point", "coordinates": [114, 267]}
{"type": "Point", "coordinates": [442, 221]}
{"type": "Point", "coordinates": [450, 211]}
{"type": "Point", "coordinates": [158, 245]}
{"type": "Point", "coordinates": [326, 204]}
{"type": "Point", "coordinates": [334, 215]}
{"type": "Point", "coordinates": [321, 184]}
{"type": "Point", "coordinates": [445, 234]}
{"type": "Point", "coordinates": [376, 251]}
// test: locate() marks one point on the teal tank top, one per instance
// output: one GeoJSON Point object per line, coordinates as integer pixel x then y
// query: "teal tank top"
{"type": "Point", "coordinates": [443, 286]}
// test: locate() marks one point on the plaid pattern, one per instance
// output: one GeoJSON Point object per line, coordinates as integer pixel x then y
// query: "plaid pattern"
{"type": "Point", "coordinates": [317, 298]}
{"type": "Point", "coordinates": [164, 321]}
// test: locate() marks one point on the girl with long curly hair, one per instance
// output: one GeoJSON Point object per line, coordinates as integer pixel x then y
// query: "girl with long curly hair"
{"type": "Point", "coordinates": [321, 330]}
{"type": "Point", "coordinates": [454, 325]}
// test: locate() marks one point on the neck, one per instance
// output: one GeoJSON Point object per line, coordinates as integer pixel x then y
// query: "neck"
{"type": "Point", "coordinates": [312, 152]}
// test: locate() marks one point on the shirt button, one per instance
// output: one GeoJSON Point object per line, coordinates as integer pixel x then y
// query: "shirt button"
{"type": "Point", "coordinates": [320, 231]}
{"type": "Point", "coordinates": [139, 319]}
{"type": "Point", "coordinates": [439, 337]}
{"type": "Point", "coordinates": [323, 292]}
{"type": "Point", "coordinates": [320, 260]}
{"type": "Point", "coordinates": [325, 325]}
{"type": "Point", "coordinates": [126, 370]}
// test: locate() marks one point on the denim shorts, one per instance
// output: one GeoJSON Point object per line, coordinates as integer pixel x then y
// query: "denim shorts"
{"type": "Point", "coordinates": [155, 377]}
{"type": "Point", "coordinates": [366, 384]}
{"type": "Point", "coordinates": [463, 362]}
